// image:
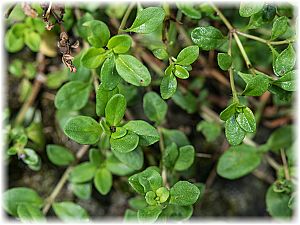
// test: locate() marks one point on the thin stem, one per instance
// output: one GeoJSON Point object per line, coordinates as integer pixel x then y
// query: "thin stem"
{"type": "Point", "coordinates": [9, 10]}
{"type": "Point", "coordinates": [242, 50]}
{"type": "Point", "coordinates": [268, 42]}
{"type": "Point", "coordinates": [253, 37]}
{"type": "Point", "coordinates": [288, 41]}
{"type": "Point", "coordinates": [203, 155]}
{"type": "Point", "coordinates": [231, 78]}
{"type": "Point", "coordinates": [162, 149]}
{"type": "Point", "coordinates": [236, 37]}
{"type": "Point", "coordinates": [152, 64]}
{"type": "Point", "coordinates": [285, 164]}
{"type": "Point", "coordinates": [125, 17]}
{"type": "Point", "coordinates": [211, 115]}
{"type": "Point", "coordinates": [223, 18]}
{"type": "Point", "coordinates": [63, 179]}
{"type": "Point", "coordinates": [95, 80]}
{"type": "Point", "coordinates": [38, 82]}
{"type": "Point", "coordinates": [272, 162]}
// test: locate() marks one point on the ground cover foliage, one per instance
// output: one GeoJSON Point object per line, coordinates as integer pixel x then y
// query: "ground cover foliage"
{"type": "Point", "coordinates": [149, 112]}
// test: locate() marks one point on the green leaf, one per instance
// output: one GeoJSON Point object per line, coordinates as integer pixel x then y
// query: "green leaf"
{"type": "Point", "coordinates": [83, 172]}
{"type": "Point", "coordinates": [169, 70]}
{"type": "Point", "coordinates": [32, 40]}
{"type": "Point", "coordinates": [181, 72]}
{"type": "Point", "coordinates": [150, 179]}
{"type": "Point", "coordinates": [82, 191]}
{"type": "Point", "coordinates": [109, 76]}
{"type": "Point", "coordinates": [115, 109]}
{"type": "Point", "coordinates": [120, 43]}
{"type": "Point", "coordinates": [82, 73]}
{"type": "Point", "coordinates": [16, 67]}
{"type": "Point", "coordinates": [246, 120]}
{"type": "Point", "coordinates": [84, 31]}
{"type": "Point", "coordinates": [133, 159]}
{"type": "Point", "coordinates": [238, 161]}
{"type": "Point", "coordinates": [168, 86]}
{"type": "Point", "coordinates": [282, 137]}
{"type": "Point", "coordinates": [59, 155]}
{"type": "Point", "coordinates": [30, 70]}
{"type": "Point", "coordinates": [96, 157]}
{"type": "Point", "coordinates": [132, 70]}
{"type": "Point", "coordinates": [135, 184]}
{"type": "Point", "coordinates": [125, 144]}
{"type": "Point", "coordinates": [285, 61]}
{"type": "Point", "coordinates": [256, 21]}
{"type": "Point", "coordinates": [24, 90]}
{"type": "Point", "coordinates": [69, 211]}
{"type": "Point", "coordinates": [155, 108]}
{"type": "Point", "coordinates": [93, 58]}
{"type": "Point", "coordinates": [120, 132]}
{"type": "Point", "coordinates": [188, 55]}
{"type": "Point", "coordinates": [160, 53]}
{"type": "Point", "coordinates": [137, 202]}
{"type": "Point", "coordinates": [102, 97]}
{"type": "Point", "coordinates": [228, 112]}
{"type": "Point", "coordinates": [13, 43]}
{"type": "Point", "coordinates": [163, 194]}
{"type": "Point", "coordinates": [19, 29]}
{"type": "Point", "coordinates": [30, 213]}
{"type": "Point", "coordinates": [280, 26]}
{"type": "Point", "coordinates": [269, 12]}
{"type": "Point", "coordinates": [280, 95]}
{"type": "Point", "coordinates": [176, 212]}
{"type": "Point", "coordinates": [247, 9]}
{"type": "Point", "coordinates": [211, 130]}
{"type": "Point", "coordinates": [98, 33]}
{"type": "Point", "coordinates": [207, 38]}
{"type": "Point", "coordinates": [35, 133]}
{"type": "Point", "coordinates": [189, 10]}
{"type": "Point", "coordinates": [63, 115]}
{"type": "Point", "coordinates": [187, 101]}
{"type": "Point", "coordinates": [224, 61]}
{"type": "Point", "coordinates": [129, 91]}
{"type": "Point", "coordinates": [13, 197]}
{"type": "Point", "coordinates": [147, 20]}
{"type": "Point", "coordinates": [170, 155]}
{"type": "Point", "coordinates": [83, 129]}
{"type": "Point", "coordinates": [149, 214]}
{"type": "Point", "coordinates": [130, 215]}
{"type": "Point", "coordinates": [184, 193]}
{"type": "Point", "coordinates": [277, 203]}
{"type": "Point", "coordinates": [175, 136]}
{"type": "Point", "coordinates": [185, 158]}
{"type": "Point", "coordinates": [256, 85]}
{"type": "Point", "coordinates": [233, 132]}
{"type": "Point", "coordinates": [56, 79]}
{"type": "Point", "coordinates": [116, 167]}
{"type": "Point", "coordinates": [150, 198]}
{"type": "Point", "coordinates": [103, 180]}
{"type": "Point", "coordinates": [287, 81]}
{"type": "Point", "coordinates": [73, 95]}
{"type": "Point", "coordinates": [147, 133]}
{"type": "Point", "coordinates": [32, 159]}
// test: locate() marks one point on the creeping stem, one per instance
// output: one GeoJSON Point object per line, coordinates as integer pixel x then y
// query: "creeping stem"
{"type": "Point", "coordinates": [232, 85]}
{"type": "Point", "coordinates": [49, 201]}
{"type": "Point", "coordinates": [268, 42]}
{"type": "Point", "coordinates": [37, 85]}
{"type": "Point", "coordinates": [236, 37]}
{"type": "Point", "coordinates": [162, 149]}
{"type": "Point", "coordinates": [239, 43]}
{"type": "Point", "coordinates": [125, 17]}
